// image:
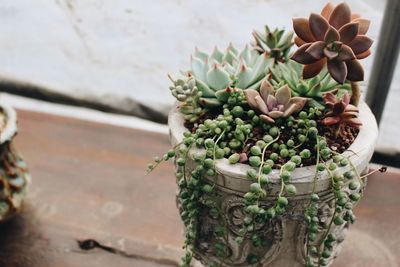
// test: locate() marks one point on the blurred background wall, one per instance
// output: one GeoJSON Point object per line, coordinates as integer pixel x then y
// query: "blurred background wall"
{"type": "Point", "coordinates": [114, 55]}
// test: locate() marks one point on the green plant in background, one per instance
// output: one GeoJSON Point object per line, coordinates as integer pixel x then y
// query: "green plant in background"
{"type": "Point", "coordinates": [290, 73]}
{"type": "Point", "coordinates": [276, 43]}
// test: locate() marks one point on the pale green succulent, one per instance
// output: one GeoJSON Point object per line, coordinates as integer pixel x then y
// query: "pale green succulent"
{"type": "Point", "coordinates": [230, 69]}
{"type": "Point", "coordinates": [186, 92]}
{"type": "Point", "coordinates": [290, 73]}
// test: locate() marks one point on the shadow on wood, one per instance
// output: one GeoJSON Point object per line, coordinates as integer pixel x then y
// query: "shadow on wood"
{"type": "Point", "coordinates": [20, 238]}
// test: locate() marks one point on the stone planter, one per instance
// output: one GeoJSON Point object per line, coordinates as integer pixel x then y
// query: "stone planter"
{"type": "Point", "coordinates": [14, 176]}
{"type": "Point", "coordinates": [285, 235]}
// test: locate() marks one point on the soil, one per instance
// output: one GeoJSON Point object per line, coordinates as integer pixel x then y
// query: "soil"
{"type": "Point", "coordinates": [336, 142]}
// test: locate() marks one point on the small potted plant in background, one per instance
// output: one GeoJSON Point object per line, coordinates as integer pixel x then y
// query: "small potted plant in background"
{"type": "Point", "coordinates": [14, 176]}
{"type": "Point", "coordinates": [272, 148]}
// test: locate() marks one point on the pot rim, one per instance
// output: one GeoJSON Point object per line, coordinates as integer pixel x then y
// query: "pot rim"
{"type": "Point", "coordinates": [11, 122]}
{"type": "Point", "coordinates": [361, 149]}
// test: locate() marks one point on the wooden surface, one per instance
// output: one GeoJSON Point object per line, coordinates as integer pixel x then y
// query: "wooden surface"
{"type": "Point", "coordinates": [89, 182]}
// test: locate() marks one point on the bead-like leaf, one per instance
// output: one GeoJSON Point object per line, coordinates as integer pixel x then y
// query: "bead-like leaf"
{"type": "Point", "coordinates": [217, 77]}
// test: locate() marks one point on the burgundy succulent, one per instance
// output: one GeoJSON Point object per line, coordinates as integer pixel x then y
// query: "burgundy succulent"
{"type": "Point", "coordinates": [336, 38]}
{"type": "Point", "coordinates": [341, 111]}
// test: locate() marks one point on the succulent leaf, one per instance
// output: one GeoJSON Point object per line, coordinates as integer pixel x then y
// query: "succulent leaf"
{"type": "Point", "coordinates": [210, 102]}
{"type": "Point", "coordinates": [199, 68]}
{"type": "Point", "coordinates": [244, 76]}
{"type": "Point", "coordinates": [203, 87]}
{"type": "Point", "coordinates": [222, 95]}
{"type": "Point", "coordinates": [217, 55]}
{"type": "Point", "coordinates": [243, 69]}
{"type": "Point", "coordinates": [217, 77]}
{"type": "Point", "coordinates": [274, 104]}
{"type": "Point", "coordinates": [340, 111]}
{"type": "Point", "coordinates": [274, 43]}
{"type": "Point", "coordinates": [290, 73]}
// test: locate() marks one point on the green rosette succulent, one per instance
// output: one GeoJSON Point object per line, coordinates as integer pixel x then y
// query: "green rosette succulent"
{"type": "Point", "coordinates": [217, 73]}
{"type": "Point", "coordinates": [276, 43]}
{"type": "Point", "coordinates": [186, 92]}
{"type": "Point", "coordinates": [290, 73]}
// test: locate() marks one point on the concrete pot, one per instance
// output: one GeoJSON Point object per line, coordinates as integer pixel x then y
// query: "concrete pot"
{"type": "Point", "coordinates": [285, 235]}
{"type": "Point", "coordinates": [14, 176]}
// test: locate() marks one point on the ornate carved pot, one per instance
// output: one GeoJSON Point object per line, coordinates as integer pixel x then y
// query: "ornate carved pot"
{"type": "Point", "coordinates": [285, 236]}
{"type": "Point", "coordinates": [14, 176]}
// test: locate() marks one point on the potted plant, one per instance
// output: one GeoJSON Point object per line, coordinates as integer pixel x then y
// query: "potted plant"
{"type": "Point", "coordinates": [14, 176]}
{"type": "Point", "coordinates": [271, 148]}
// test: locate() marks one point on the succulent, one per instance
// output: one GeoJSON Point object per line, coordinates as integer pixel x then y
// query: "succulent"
{"type": "Point", "coordinates": [341, 112]}
{"type": "Point", "coordinates": [186, 92]}
{"type": "Point", "coordinates": [290, 73]}
{"type": "Point", "coordinates": [276, 43]}
{"type": "Point", "coordinates": [274, 104]}
{"type": "Point", "coordinates": [221, 70]}
{"type": "Point", "coordinates": [336, 38]}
